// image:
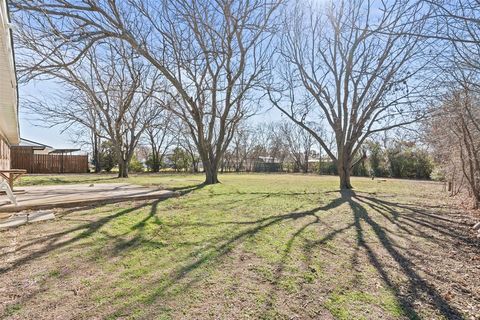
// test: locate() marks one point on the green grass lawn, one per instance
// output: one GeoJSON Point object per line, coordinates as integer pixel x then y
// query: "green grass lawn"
{"type": "Point", "coordinates": [254, 246]}
{"type": "Point", "coordinates": [164, 179]}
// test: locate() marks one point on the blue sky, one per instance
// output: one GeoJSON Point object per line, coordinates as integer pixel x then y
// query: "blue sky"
{"type": "Point", "coordinates": [33, 130]}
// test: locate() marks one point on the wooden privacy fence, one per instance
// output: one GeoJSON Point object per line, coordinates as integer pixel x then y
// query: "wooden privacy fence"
{"type": "Point", "coordinates": [48, 163]}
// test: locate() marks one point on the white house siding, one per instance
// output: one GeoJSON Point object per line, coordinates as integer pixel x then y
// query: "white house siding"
{"type": "Point", "coordinates": [9, 132]}
{"type": "Point", "coordinates": [4, 154]}
{"type": "Point", "coordinates": [8, 83]}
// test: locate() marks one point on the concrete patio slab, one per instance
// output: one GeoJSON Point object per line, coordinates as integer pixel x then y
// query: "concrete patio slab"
{"type": "Point", "coordinates": [26, 217]}
{"type": "Point", "coordinates": [61, 196]}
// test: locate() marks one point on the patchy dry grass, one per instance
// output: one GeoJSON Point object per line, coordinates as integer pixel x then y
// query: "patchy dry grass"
{"type": "Point", "coordinates": [255, 246]}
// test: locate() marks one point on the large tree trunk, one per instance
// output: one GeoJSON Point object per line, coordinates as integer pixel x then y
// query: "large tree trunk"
{"type": "Point", "coordinates": [344, 179]}
{"type": "Point", "coordinates": [122, 168]}
{"type": "Point", "coordinates": [344, 171]}
{"type": "Point", "coordinates": [123, 162]}
{"type": "Point", "coordinates": [211, 173]}
{"type": "Point", "coordinates": [98, 167]}
{"type": "Point", "coordinates": [155, 161]}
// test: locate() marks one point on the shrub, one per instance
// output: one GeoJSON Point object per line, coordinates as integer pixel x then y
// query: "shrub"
{"type": "Point", "coordinates": [108, 159]}
{"type": "Point", "coordinates": [135, 165]}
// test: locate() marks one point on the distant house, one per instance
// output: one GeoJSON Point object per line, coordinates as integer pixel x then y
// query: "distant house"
{"type": "Point", "coordinates": [32, 147]}
{"type": "Point", "coordinates": [268, 164]}
{"type": "Point", "coordinates": [268, 159]}
{"type": "Point", "coordinates": [9, 130]}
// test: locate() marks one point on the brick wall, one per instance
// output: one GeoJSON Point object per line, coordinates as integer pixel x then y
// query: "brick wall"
{"type": "Point", "coordinates": [4, 154]}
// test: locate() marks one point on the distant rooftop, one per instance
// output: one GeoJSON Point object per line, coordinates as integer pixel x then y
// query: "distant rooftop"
{"type": "Point", "coordinates": [26, 143]}
{"type": "Point", "coordinates": [32, 144]}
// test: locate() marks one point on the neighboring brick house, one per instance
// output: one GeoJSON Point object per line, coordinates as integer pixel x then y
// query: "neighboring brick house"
{"type": "Point", "coordinates": [9, 131]}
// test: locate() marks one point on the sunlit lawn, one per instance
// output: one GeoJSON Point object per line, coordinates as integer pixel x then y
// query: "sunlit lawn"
{"type": "Point", "coordinates": [255, 246]}
{"type": "Point", "coordinates": [163, 179]}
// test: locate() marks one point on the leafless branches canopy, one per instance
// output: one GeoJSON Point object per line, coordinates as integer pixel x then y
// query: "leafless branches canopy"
{"type": "Point", "coordinates": [109, 91]}
{"type": "Point", "coordinates": [213, 53]}
{"type": "Point", "coordinates": [339, 66]}
{"type": "Point", "coordinates": [352, 68]}
{"type": "Point", "coordinates": [454, 133]}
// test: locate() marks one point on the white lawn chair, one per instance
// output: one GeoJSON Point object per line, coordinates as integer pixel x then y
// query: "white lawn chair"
{"type": "Point", "coordinates": [6, 187]}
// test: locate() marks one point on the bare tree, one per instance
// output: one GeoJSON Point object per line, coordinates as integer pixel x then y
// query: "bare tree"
{"type": "Point", "coordinates": [453, 131]}
{"type": "Point", "coordinates": [261, 134]}
{"type": "Point", "coordinates": [454, 21]}
{"type": "Point", "coordinates": [300, 144]}
{"type": "Point", "coordinates": [86, 137]}
{"type": "Point", "coordinates": [83, 133]}
{"type": "Point", "coordinates": [339, 67]}
{"type": "Point", "coordinates": [188, 144]}
{"type": "Point", "coordinates": [463, 25]}
{"type": "Point", "coordinates": [159, 135]}
{"type": "Point", "coordinates": [214, 53]}
{"type": "Point", "coordinates": [454, 26]}
{"type": "Point", "coordinates": [110, 91]}
{"type": "Point", "coordinates": [277, 145]}
{"type": "Point", "coordinates": [454, 134]}
{"type": "Point", "coordinates": [242, 144]}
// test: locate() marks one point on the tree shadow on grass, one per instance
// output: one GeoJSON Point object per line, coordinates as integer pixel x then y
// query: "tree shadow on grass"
{"type": "Point", "coordinates": [418, 287]}
{"type": "Point", "coordinates": [183, 190]}
{"type": "Point", "coordinates": [279, 271]}
{"type": "Point", "coordinates": [184, 276]}
{"type": "Point", "coordinates": [414, 218]}
{"type": "Point", "coordinates": [52, 242]}
{"type": "Point", "coordinates": [213, 253]}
